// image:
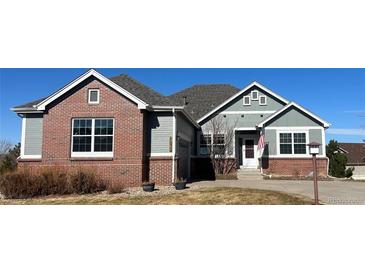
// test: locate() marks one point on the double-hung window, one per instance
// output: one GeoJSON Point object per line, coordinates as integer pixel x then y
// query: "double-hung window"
{"type": "Point", "coordinates": [300, 146]}
{"type": "Point", "coordinates": [293, 143]}
{"type": "Point", "coordinates": [92, 137]}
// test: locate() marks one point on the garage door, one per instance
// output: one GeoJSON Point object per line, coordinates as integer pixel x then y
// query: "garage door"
{"type": "Point", "coordinates": [184, 159]}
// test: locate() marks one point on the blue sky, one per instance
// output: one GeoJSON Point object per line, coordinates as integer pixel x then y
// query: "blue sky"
{"type": "Point", "coordinates": [336, 95]}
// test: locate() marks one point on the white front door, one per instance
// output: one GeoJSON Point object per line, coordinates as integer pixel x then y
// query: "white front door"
{"type": "Point", "coordinates": [249, 153]}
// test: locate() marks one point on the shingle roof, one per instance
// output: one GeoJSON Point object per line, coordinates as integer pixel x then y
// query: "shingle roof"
{"type": "Point", "coordinates": [31, 104]}
{"type": "Point", "coordinates": [200, 98]}
{"type": "Point", "coordinates": [140, 90]}
{"type": "Point", "coordinates": [356, 152]}
{"type": "Point", "coordinates": [203, 98]}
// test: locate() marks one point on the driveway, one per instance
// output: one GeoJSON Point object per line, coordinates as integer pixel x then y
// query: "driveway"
{"type": "Point", "coordinates": [330, 192]}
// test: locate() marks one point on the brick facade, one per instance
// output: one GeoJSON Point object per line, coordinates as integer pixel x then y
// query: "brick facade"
{"type": "Point", "coordinates": [297, 167]}
{"type": "Point", "coordinates": [129, 165]}
{"type": "Point", "coordinates": [160, 170]}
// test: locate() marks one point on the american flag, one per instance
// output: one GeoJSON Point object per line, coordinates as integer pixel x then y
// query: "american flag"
{"type": "Point", "coordinates": [261, 144]}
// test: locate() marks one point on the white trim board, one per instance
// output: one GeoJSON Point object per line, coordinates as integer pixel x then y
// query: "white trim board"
{"type": "Point", "coordinates": [22, 142]}
{"type": "Point", "coordinates": [294, 128]}
{"type": "Point", "coordinates": [160, 154]}
{"type": "Point", "coordinates": [31, 157]}
{"type": "Point", "coordinates": [293, 104]}
{"type": "Point", "coordinates": [42, 105]}
{"type": "Point", "coordinates": [249, 112]}
{"type": "Point", "coordinates": [245, 128]}
{"type": "Point", "coordinates": [288, 156]}
{"type": "Point", "coordinates": [240, 93]}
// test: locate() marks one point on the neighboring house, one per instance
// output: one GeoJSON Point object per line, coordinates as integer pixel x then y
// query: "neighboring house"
{"type": "Point", "coordinates": [129, 133]}
{"type": "Point", "coordinates": [355, 153]}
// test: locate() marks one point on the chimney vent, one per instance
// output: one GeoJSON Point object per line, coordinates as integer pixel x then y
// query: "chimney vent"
{"type": "Point", "coordinates": [185, 102]}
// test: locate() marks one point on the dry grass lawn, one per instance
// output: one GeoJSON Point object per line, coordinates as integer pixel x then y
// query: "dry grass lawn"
{"type": "Point", "coordinates": [201, 196]}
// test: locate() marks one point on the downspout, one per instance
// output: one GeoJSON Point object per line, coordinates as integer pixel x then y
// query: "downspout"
{"type": "Point", "coordinates": [173, 144]}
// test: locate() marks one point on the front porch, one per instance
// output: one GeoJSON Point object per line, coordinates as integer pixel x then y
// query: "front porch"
{"type": "Point", "coordinates": [245, 149]}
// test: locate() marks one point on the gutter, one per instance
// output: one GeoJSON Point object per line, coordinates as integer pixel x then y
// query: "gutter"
{"type": "Point", "coordinates": [174, 108]}
{"type": "Point", "coordinates": [173, 143]}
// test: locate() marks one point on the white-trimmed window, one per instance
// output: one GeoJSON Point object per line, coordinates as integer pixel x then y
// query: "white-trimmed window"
{"type": "Point", "coordinates": [293, 143]}
{"type": "Point", "coordinates": [263, 100]}
{"type": "Point", "coordinates": [246, 100]}
{"type": "Point", "coordinates": [254, 95]}
{"type": "Point", "coordinates": [93, 96]}
{"type": "Point", "coordinates": [92, 137]}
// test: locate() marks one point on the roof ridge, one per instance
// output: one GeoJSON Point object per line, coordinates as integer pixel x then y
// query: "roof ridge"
{"type": "Point", "coordinates": [203, 85]}
{"type": "Point", "coordinates": [137, 82]}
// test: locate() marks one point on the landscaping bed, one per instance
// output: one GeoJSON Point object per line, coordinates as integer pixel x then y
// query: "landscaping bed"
{"type": "Point", "coordinates": [169, 196]}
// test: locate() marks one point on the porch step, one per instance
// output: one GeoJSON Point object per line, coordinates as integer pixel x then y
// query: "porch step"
{"type": "Point", "coordinates": [249, 174]}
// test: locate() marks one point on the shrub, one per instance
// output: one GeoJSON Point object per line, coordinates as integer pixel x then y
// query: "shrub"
{"type": "Point", "coordinates": [23, 184]}
{"type": "Point", "coordinates": [54, 181]}
{"type": "Point", "coordinates": [337, 160]}
{"type": "Point", "coordinates": [83, 181]}
{"type": "Point", "coordinates": [8, 161]}
{"type": "Point", "coordinates": [349, 172]}
{"type": "Point", "coordinates": [19, 185]}
{"type": "Point", "coordinates": [113, 188]}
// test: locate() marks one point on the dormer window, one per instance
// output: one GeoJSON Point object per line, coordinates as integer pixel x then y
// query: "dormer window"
{"type": "Point", "coordinates": [262, 101]}
{"type": "Point", "coordinates": [254, 95]}
{"type": "Point", "coordinates": [94, 96]}
{"type": "Point", "coordinates": [247, 101]}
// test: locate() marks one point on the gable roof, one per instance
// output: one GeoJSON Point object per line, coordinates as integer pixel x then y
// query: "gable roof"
{"type": "Point", "coordinates": [237, 94]}
{"type": "Point", "coordinates": [201, 99]}
{"type": "Point", "coordinates": [293, 104]}
{"type": "Point", "coordinates": [41, 104]}
{"type": "Point", "coordinates": [355, 152]}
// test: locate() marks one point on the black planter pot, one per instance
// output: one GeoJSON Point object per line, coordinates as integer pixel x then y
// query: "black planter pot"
{"type": "Point", "coordinates": [148, 187]}
{"type": "Point", "coordinates": [180, 185]}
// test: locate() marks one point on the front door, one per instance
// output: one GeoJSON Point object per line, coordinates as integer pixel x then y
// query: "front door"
{"type": "Point", "coordinates": [249, 154]}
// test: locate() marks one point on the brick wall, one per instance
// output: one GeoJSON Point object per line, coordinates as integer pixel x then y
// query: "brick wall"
{"type": "Point", "coordinates": [160, 170]}
{"type": "Point", "coordinates": [128, 166]}
{"type": "Point", "coordinates": [294, 166]}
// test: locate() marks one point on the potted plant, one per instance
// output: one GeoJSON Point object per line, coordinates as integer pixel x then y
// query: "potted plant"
{"type": "Point", "coordinates": [180, 184]}
{"type": "Point", "coordinates": [148, 186]}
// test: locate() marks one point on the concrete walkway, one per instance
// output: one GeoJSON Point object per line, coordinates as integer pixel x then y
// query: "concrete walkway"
{"type": "Point", "coordinates": [330, 192]}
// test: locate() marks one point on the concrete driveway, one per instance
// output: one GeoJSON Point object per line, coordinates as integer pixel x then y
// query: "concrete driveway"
{"type": "Point", "coordinates": [330, 192]}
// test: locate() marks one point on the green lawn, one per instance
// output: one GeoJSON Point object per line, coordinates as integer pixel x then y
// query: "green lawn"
{"type": "Point", "coordinates": [202, 196]}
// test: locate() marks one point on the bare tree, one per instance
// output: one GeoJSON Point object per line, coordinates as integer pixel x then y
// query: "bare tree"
{"type": "Point", "coordinates": [5, 146]}
{"type": "Point", "coordinates": [221, 148]}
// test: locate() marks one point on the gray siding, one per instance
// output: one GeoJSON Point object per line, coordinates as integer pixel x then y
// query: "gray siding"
{"type": "Point", "coordinates": [244, 119]}
{"type": "Point", "coordinates": [185, 128]}
{"type": "Point", "coordinates": [237, 104]}
{"type": "Point", "coordinates": [160, 127]}
{"type": "Point", "coordinates": [270, 142]}
{"type": "Point", "coordinates": [236, 120]}
{"type": "Point", "coordinates": [292, 117]}
{"type": "Point", "coordinates": [33, 134]}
